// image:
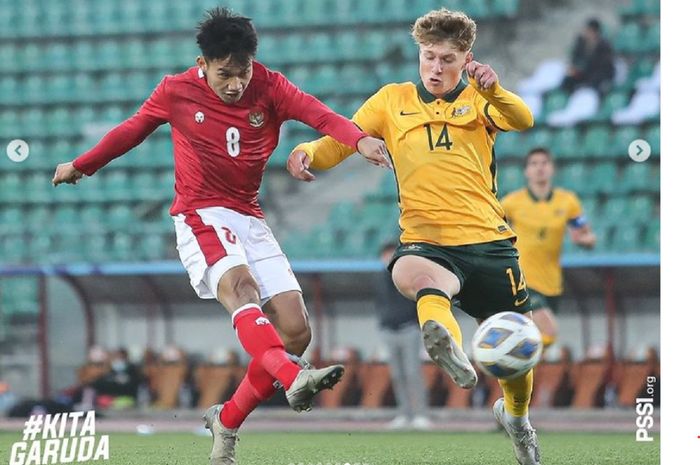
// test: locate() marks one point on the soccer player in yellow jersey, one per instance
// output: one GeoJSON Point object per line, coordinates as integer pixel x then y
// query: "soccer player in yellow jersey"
{"type": "Point", "coordinates": [541, 214]}
{"type": "Point", "coordinates": [456, 244]}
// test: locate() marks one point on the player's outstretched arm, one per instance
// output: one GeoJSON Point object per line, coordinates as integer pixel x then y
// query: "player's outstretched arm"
{"type": "Point", "coordinates": [506, 111]}
{"type": "Point", "coordinates": [66, 173]}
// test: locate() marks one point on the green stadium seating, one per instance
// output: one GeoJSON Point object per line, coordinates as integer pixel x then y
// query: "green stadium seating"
{"type": "Point", "coordinates": [566, 143]}
{"type": "Point", "coordinates": [652, 38]}
{"type": "Point", "coordinates": [573, 177]}
{"type": "Point", "coordinates": [509, 178]}
{"type": "Point", "coordinates": [537, 138]}
{"type": "Point", "coordinates": [602, 178]}
{"type": "Point", "coordinates": [653, 136]}
{"type": "Point", "coordinates": [626, 238]}
{"type": "Point", "coordinates": [615, 100]}
{"type": "Point", "coordinates": [91, 64]}
{"type": "Point", "coordinates": [596, 142]}
{"type": "Point", "coordinates": [622, 138]}
{"type": "Point", "coordinates": [652, 236]}
{"type": "Point", "coordinates": [554, 100]}
{"type": "Point", "coordinates": [508, 144]}
{"type": "Point", "coordinates": [507, 8]}
{"type": "Point", "coordinates": [640, 209]}
{"type": "Point", "coordinates": [628, 38]}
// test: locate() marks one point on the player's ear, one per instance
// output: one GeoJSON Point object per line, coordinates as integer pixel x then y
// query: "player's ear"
{"type": "Point", "coordinates": [470, 57]}
{"type": "Point", "coordinates": [202, 63]}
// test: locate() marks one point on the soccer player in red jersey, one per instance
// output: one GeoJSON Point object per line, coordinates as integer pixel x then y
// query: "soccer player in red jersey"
{"type": "Point", "coordinates": [225, 115]}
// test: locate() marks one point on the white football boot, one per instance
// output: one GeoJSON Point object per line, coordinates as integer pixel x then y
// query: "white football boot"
{"type": "Point", "coordinates": [223, 451]}
{"type": "Point", "coordinates": [525, 445]}
{"type": "Point", "coordinates": [447, 355]}
{"type": "Point", "coordinates": [309, 382]}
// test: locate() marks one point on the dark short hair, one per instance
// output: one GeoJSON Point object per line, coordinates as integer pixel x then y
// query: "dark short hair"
{"type": "Point", "coordinates": [593, 24]}
{"type": "Point", "coordinates": [536, 150]}
{"type": "Point", "coordinates": [226, 35]}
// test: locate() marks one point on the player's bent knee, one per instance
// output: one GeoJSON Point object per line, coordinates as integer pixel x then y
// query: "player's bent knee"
{"type": "Point", "coordinates": [237, 287]}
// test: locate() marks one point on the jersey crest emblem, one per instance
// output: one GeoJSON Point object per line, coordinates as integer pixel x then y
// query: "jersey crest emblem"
{"type": "Point", "coordinates": [460, 111]}
{"type": "Point", "coordinates": [199, 117]}
{"type": "Point", "coordinates": [256, 118]}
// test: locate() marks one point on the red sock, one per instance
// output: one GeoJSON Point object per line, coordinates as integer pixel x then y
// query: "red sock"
{"type": "Point", "coordinates": [256, 387]}
{"type": "Point", "coordinates": [260, 339]}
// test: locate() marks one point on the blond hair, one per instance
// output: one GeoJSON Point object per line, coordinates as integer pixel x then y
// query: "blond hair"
{"type": "Point", "coordinates": [445, 25]}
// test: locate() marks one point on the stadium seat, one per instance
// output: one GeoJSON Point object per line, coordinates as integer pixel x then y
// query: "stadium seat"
{"type": "Point", "coordinates": [637, 177]}
{"type": "Point", "coordinates": [508, 144]}
{"type": "Point", "coordinates": [596, 142]}
{"type": "Point", "coordinates": [550, 380]}
{"type": "Point", "coordinates": [581, 106]}
{"type": "Point", "coordinates": [652, 236]}
{"type": "Point", "coordinates": [505, 8]}
{"type": "Point", "coordinates": [622, 139]}
{"type": "Point", "coordinates": [573, 177]}
{"type": "Point", "coordinates": [11, 219]}
{"type": "Point", "coordinates": [640, 209]}
{"type": "Point", "coordinates": [216, 383]}
{"type": "Point", "coordinates": [567, 143]}
{"type": "Point", "coordinates": [538, 138]}
{"type": "Point", "coordinates": [509, 178]}
{"type": "Point", "coordinates": [602, 178]}
{"type": "Point", "coordinates": [628, 38]}
{"type": "Point", "coordinates": [589, 381]}
{"type": "Point", "coordinates": [626, 238]}
{"type": "Point", "coordinates": [653, 136]}
{"type": "Point", "coordinates": [12, 187]}
{"type": "Point", "coordinates": [652, 38]}
{"type": "Point", "coordinates": [614, 101]}
{"type": "Point", "coordinates": [554, 101]}
{"type": "Point", "coordinates": [375, 379]}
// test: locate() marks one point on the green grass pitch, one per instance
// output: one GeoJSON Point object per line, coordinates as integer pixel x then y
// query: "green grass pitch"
{"type": "Point", "coordinates": [373, 449]}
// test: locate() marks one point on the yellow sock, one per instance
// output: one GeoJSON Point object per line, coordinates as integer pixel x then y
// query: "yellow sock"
{"type": "Point", "coordinates": [435, 305]}
{"type": "Point", "coordinates": [547, 340]}
{"type": "Point", "coordinates": [516, 393]}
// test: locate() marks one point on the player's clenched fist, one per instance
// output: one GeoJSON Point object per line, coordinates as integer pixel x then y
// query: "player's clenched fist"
{"type": "Point", "coordinates": [66, 173]}
{"type": "Point", "coordinates": [483, 74]}
{"type": "Point", "coordinates": [374, 150]}
{"type": "Point", "coordinates": [298, 166]}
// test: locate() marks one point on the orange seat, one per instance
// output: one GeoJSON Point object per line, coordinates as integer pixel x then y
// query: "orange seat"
{"type": "Point", "coordinates": [589, 379]}
{"type": "Point", "coordinates": [375, 379]}
{"type": "Point", "coordinates": [167, 378]}
{"type": "Point", "coordinates": [347, 391]}
{"type": "Point", "coordinates": [548, 380]}
{"type": "Point", "coordinates": [631, 378]}
{"type": "Point", "coordinates": [92, 371]}
{"type": "Point", "coordinates": [215, 383]}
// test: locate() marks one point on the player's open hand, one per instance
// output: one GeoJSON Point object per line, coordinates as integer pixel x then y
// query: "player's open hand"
{"type": "Point", "coordinates": [66, 173]}
{"type": "Point", "coordinates": [484, 75]}
{"type": "Point", "coordinates": [375, 151]}
{"type": "Point", "coordinates": [298, 166]}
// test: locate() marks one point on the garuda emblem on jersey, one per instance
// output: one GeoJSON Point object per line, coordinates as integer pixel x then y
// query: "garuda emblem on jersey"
{"type": "Point", "coordinates": [256, 118]}
{"type": "Point", "coordinates": [460, 111]}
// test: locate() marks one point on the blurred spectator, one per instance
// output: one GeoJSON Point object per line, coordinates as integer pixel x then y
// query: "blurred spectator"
{"type": "Point", "coordinates": [7, 398]}
{"type": "Point", "coordinates": [592, 61]}
{"type": "Point", "coordinates": [117, 387]}
{"type": "Point", "coordinates": [399, 325]}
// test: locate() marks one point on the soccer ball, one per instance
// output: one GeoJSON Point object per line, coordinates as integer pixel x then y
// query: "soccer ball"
{"type": "Point", "coordinates": [507, 345]}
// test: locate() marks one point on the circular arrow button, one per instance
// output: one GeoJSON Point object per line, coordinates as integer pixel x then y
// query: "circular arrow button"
{"type": "Point", "coordinates": [17, 150]}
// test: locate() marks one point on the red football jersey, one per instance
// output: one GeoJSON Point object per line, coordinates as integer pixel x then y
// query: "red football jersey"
{"type": "Point", "coordinates": [220, 149]}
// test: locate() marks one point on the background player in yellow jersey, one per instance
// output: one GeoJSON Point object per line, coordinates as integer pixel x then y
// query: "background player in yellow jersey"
{"type": "Point", "coordinates": [456, 244]}
{"type": "Point", "coordinates": [541, 214]}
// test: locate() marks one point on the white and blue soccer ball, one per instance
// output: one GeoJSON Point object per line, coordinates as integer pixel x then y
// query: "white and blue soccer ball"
{"type": "Point", "coordinates": [507, 345]}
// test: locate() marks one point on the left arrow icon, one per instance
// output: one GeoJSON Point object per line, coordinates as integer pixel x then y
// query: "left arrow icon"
{"type": "Point", "coordinates": [17, 150]}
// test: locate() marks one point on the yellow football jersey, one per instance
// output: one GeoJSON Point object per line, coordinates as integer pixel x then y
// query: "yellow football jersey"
{"type": "Point", "coordinates": [541, 226]}
{"type": "Point", "coordinates": [443, 157]}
